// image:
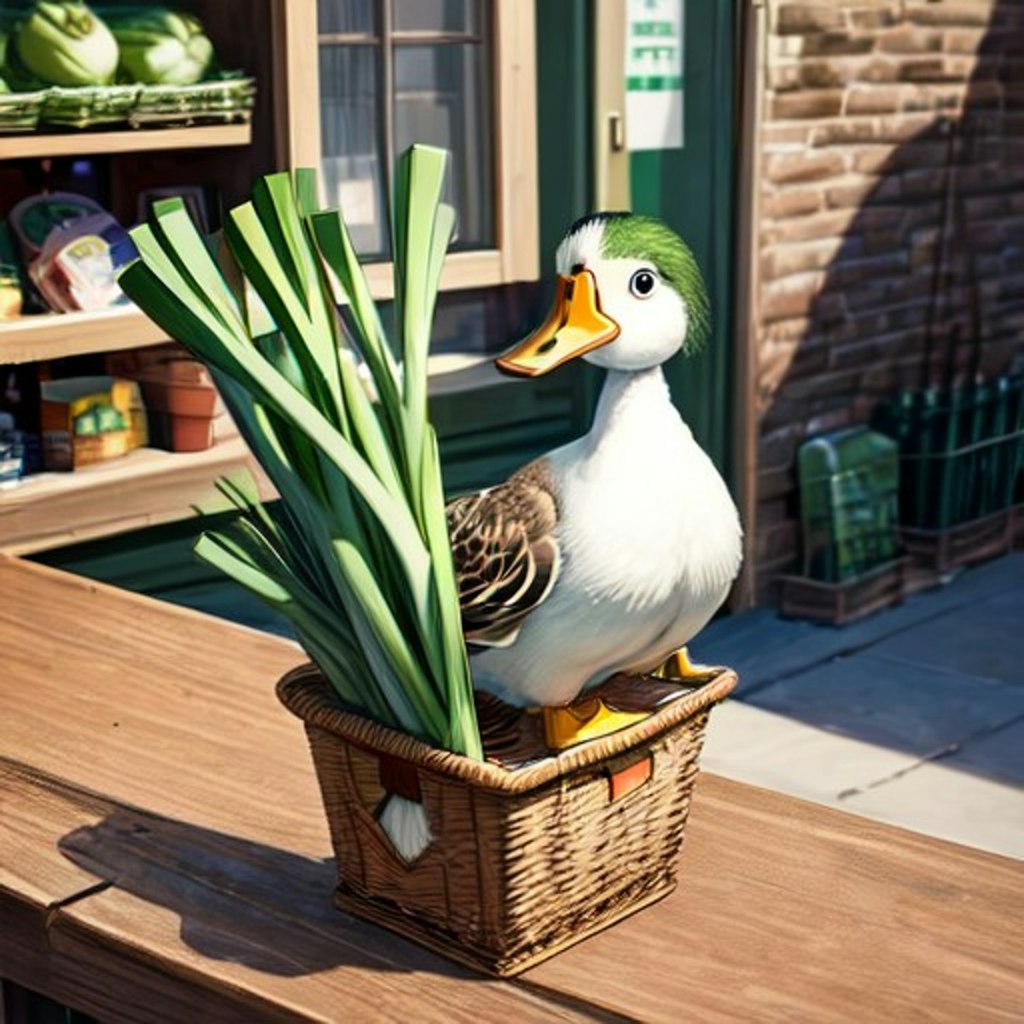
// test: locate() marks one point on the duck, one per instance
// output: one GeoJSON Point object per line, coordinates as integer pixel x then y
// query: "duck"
{"type": "Point", "coordinates": [609, 554]}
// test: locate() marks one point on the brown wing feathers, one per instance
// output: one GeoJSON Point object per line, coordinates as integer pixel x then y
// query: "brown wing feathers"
{"type": "Point", "coordinates": [506, 557]}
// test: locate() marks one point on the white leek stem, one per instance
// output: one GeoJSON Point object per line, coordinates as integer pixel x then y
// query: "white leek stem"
{"type": "Point", "coordinates": [405, 824]}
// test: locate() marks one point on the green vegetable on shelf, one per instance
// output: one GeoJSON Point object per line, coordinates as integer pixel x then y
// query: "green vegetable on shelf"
{"type": "Point", "coordinates": [64, 43]}
{"type": "Point", "coordinates": [161, 47]}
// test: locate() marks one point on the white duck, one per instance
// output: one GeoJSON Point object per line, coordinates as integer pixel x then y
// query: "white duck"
{"type": "Point", "coordinates": [608, 554]}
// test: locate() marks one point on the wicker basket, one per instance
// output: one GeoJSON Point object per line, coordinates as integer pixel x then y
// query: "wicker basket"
{"type": "Point", "coordinates": [525, 861]}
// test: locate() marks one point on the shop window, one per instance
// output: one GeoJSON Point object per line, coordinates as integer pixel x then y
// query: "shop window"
{"type": "Point", "coordinates": [453, 73]}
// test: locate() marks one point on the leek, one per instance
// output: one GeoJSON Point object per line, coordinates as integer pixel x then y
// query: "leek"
{"type": "Point", "coordinates": [357, 556]}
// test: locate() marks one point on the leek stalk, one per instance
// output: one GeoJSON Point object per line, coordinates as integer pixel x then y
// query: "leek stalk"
{"type": "Point", "coordinates": [358, 557]}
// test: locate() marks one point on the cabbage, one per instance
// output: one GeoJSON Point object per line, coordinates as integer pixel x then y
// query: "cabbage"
{"type": "Point", "coordinates": [161, 47]}
{"type": "Point", "coordinates": [64, 43]}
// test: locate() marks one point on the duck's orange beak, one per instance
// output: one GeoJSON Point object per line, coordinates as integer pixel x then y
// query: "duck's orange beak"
{"type": "Point", "coordinates": [574, 327]}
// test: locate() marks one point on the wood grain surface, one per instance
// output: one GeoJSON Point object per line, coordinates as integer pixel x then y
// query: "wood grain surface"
{"type": "Point", "coordinates": [137, 489]}
{"type": "Point", "coordinates": [789, 911]}
{"type": "Point", "coordinates": [154, 706]}
{"type": "Point", "coordinates": [164, 857]}
{"type": "Point", "coordinates": [171, 922]}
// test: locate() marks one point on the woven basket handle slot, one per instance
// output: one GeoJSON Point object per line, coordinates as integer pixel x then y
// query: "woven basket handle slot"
{"type": "Point", "coordinates": [399, 778]}
{"type": "Point", "coordinates": [624, 780]}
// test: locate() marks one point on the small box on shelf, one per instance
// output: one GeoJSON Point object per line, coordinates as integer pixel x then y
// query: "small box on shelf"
{"type": "Point", "coordinates": [89, 419]}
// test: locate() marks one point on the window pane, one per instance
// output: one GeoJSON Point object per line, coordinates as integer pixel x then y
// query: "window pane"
{"type": "Point", "coordinates": [350, 132]}
{"type": "Point", "coordinates": [347, 16]}
{"type": "Point", "coordinates": [443, 97]}
{"type": "Point", "coordinates": [438, 16]}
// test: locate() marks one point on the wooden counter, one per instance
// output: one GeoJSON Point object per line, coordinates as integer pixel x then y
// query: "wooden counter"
{"type": "Point", "coordinates": [164, 857]}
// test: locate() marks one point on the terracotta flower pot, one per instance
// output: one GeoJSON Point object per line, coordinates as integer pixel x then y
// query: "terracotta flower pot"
{"type": "Point", "coordinates": [181, 414]}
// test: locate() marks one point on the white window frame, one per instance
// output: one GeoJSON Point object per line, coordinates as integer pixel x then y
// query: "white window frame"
{"type": "Point", "coordinates": [297, 97]}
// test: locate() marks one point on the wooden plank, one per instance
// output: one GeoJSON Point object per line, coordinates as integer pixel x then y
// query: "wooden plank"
{"type": "Point", "coordinates": [297, 87]}
{"type": "Point", "coordinates": [79, 143]}
{"type": "Point", "coordinates": [32, 868]}
{"type": "Point", "coordinates": [608, 113]}
{"type": "Point", "coordinates": [748, 284]}
{"type": "Point", "coordinates": [481, 268]}
{"type": "Point", "coordinates": [141, 488]}
{"type": "Point", "coordinates": [38, 878]}
{"type": "Point", "coordinates": [29, 339]}
{"type": "Point", "coordinates": [35, 877]}
{"type": "Point", "coordinates": [216, 912]}
{"type": "Point", "coordinates": [201, 925]}
{"type": "Point", "coordinates": [518, 204]}
{"type": "Point", "coordinates": [154, 706]}
{"type": "Point", "coordinates": [787, 910]}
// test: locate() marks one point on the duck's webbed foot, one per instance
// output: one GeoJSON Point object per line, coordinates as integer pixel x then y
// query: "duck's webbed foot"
{"type": "Point", "coordinates": [621, 701]}
{"type": "Point", "coordinates": [678, 666]}
{"type": "Point", "coordinates": [585, 719]}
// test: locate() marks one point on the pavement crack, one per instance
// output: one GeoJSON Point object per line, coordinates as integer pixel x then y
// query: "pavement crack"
{"type": "Point", "coordinates": [934, 756]}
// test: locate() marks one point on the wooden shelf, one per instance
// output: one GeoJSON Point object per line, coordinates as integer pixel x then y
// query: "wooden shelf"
{"type": "Point", "coordinates": [139, 489]}
{"type": "Point", "coordinates": [136, 140]}
{"type": "Point", "coordinates": [28, 339]}
{"type": "Point", "coordinates": [452, 372]}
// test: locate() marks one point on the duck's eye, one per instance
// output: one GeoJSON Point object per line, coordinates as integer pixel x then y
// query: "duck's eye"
{"type": "Point", "coordinates": [643, 283]}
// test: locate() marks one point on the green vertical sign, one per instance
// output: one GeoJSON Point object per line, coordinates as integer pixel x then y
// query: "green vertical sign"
{"type": "Point", "coordinates": [654, 74]}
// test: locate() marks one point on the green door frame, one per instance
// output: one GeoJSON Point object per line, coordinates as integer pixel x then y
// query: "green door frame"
{"type": "Point", "coordinates": [692, 190]}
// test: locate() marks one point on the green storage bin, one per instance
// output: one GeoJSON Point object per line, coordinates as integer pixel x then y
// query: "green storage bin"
{"type": "Point", "coordinates": [849, 494]}
{"type": "Point", "coordinates": [962, 451]}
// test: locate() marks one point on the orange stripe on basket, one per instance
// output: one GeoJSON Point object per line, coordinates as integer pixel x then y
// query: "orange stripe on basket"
{"type": "Point", "coordinates": [623, 782]}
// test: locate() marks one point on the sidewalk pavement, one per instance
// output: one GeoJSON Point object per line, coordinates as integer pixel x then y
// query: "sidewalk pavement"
{"type": "Point", "coordinates": [913, 716]}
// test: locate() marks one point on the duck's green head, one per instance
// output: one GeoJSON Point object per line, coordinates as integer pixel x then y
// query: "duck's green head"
{"type": "Point", "coordinates": [629, 296]}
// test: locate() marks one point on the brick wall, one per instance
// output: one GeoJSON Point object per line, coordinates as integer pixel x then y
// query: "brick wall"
{"type": "Point", "coordinates": [867, 105]}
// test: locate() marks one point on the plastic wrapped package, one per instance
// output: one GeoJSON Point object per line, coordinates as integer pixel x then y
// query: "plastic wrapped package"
{"type": "Point", "coordinates": [79, 262]}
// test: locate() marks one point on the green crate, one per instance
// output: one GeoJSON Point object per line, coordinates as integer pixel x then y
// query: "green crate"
{"type": "Point", "coordinates": [849, 487]}
{"type": "Point", "coordinates": [961, 451]}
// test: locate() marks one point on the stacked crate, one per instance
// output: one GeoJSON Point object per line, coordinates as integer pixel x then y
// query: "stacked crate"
{"type": "Point", "coordinates": [849, 496]}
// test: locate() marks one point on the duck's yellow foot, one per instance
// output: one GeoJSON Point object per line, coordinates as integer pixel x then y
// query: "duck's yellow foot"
{"type": "Point", "coordinates": [584, 719]}
{"type": "Point", "coordinates": [679, 666]}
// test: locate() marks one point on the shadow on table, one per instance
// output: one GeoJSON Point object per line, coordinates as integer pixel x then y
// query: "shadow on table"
{"type": "Point", "coordinates": [238, 901]}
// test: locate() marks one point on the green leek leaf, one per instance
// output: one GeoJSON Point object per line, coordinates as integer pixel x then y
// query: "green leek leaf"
{"type": "Point", "coordinates": [357, 557]}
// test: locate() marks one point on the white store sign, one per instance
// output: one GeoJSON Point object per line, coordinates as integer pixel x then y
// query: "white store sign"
{"type": "Point", "coordinates": [654, 74]}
